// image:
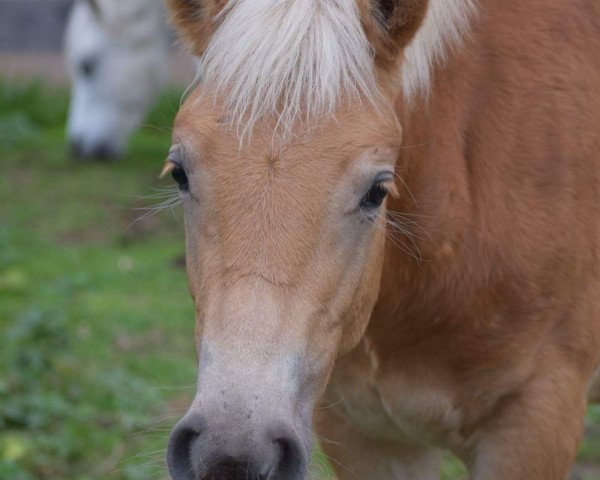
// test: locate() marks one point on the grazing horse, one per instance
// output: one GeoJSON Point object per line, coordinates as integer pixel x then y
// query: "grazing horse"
{"type": "Point", "coordinates": [116, 51]}
{"type": "Point", "coordinates": [392, 214]}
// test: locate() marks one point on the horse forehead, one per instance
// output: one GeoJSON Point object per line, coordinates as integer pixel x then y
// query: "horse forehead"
{"type": "Point", "coordinates": [334, 141]}
{"type": "Point", "coordinates": [267, 210]}
{"type": "Point", "coordinates": [218, 149]}
{"type": "Point", "coordinates": [295, 179]}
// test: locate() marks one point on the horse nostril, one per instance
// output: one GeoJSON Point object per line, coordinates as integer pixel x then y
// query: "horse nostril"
{"type": "Point", "coordinates": [98, 151]}
{"type": "Point", "coordinates": [179, 453]}
{"type": "Point", "coordinates": [291, 462]}
{"type": "Point", "coordinates": [103, 151]}
{"type": "Point", "coordinates": [198, 452]}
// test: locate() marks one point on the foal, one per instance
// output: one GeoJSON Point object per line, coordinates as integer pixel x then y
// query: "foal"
{"type": "Point", "coordinates": [408, 292]}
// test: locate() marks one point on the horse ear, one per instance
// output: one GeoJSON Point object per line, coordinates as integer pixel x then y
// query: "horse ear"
{"type": "Point", "coordinates": [195, 20]}
{"type": "Point", "coordinates": [94, 6]}
{"type": "Point", "coordinates": [391, 24]}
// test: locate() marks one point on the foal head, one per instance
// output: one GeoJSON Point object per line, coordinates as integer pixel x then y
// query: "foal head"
{"type": "Point", "coordinates": [284, 157]}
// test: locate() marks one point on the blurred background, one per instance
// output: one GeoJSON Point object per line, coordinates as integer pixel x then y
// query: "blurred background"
{"type": "Point", "coordinates": [97, 358]}
{"type": "Point", "coordinates": [96, 324]}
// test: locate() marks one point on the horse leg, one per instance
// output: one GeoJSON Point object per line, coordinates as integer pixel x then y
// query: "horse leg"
{"type": "Point", "coordinates": [536, 433]}
{"type": "Point", "coordinates": [355, 456]}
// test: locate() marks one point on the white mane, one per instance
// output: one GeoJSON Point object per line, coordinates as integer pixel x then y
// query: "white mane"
{"type": "Point", "coordinates": [293, 57]}
{"type": "Point", "coordinates": [298, 58]}
{"type": "Point", "coordinates": [445, 24]}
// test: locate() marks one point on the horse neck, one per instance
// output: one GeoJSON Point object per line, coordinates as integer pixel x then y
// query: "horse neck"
{"type": "Point", "coordinates": [434, 205]}
{"type": "Point", "coordinates": [482, 170]}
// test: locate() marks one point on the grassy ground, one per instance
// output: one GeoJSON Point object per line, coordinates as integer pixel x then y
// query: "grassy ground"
{"type": "Point", "coordinates": [96, 323]}
{"type": "Point", "coordinates": [95, 317]}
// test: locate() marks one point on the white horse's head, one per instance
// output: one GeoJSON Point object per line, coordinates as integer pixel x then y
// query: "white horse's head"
{"type": "Point", "coordinates": [117, 53]}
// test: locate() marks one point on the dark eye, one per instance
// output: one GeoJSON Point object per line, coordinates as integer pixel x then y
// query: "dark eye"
{"type": "Point", "coordinates": [88, 66]}
{"type": "Point", "coordinates": [178, 174]}
{"type": "Point", "coordinates": [374, 197]}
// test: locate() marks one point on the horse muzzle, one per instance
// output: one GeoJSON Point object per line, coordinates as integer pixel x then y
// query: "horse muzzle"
{"type": "Point", "coordinates": [231, 449]}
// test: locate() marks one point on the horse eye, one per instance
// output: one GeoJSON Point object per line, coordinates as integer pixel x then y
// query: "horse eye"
{"type": "Point", "coordinates": [88, 66]}
{"type": "Point", "coordinates": [180, 177]}
{"type": "Point", "coordinates": [374, 197]}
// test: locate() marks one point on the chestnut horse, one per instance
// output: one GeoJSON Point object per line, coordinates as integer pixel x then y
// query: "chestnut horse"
{"type": "Point", "coordinates": [403, 290]}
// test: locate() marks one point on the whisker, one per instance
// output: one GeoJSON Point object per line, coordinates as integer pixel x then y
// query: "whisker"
{"type": "Point", "coordinates": [398, 243]}
{"type": "Point", "coordinates": [338, 463]}
{"type": "Point", "coordinates": [416, 145]}
{"type": "Point", "coordinates": [404, 229]}
{"type": "Point", "coordinates": [324, 470]}
{"type": "Point", "coordinates": [330, 406]}
{"type": "Point", "coordinates": [166, 131]}
{"type": "Point", "coordinates": [175, 387]}
{"type": "Point", "coordinates": [323, 439]}
{"type": "Point", "coordinates": [169, 203]}
{"type": "Point", "coordinates": [157, 194]}
{"type": "Point", "coordinates": [406, 221]}
{"type": "Point", "coordinates": [161, 191]}
{"type": "Point", "coordinates": [175, 216]}
{"type": "Point", "coordinates": [411, 238]}
{"type": "Point", "coordinates": [397, 175]}
{"type": "Point", "coordinates": [415, 215]}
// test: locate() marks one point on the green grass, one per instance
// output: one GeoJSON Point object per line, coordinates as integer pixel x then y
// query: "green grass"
{"type": "Point", "coordinates": [96, 323]}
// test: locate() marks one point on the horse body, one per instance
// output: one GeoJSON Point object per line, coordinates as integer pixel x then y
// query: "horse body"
{"type": "Point", "coordinates": [504, 306]}
{"type": "Point", "coordinates": [471, 326]}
